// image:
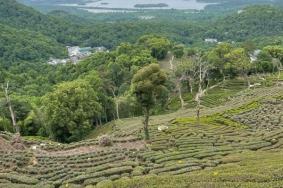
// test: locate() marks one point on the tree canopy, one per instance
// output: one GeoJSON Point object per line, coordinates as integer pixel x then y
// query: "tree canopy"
{"type": "Point", "coordinates": [70, 109]}
{"type": "Point", "coordinates": [148, 84]}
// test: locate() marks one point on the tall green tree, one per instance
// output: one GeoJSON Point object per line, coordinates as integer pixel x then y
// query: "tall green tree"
{"type": "Point", "coordinates": [276, 53]}
{"type": "Point", "coordinates": [70, 110]}
{"type": "Point", "coordinates": [239, 60]}
{"type": "Point", "coordinates": [159, 46]}
{"type": "Point", "coordinates": [217, 57]}
{"type": "Point", "coordinates": [148, 84]}
{"type": "Point", "coordinates": [178, 50]}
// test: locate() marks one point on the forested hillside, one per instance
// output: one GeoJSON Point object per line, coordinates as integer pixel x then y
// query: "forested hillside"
{"type": "Point", "coordinates": [198, 99]}
{"type": "Point", "coordinates": [254, 22]}
{"type": "Point", "coordinates": [248, 23]}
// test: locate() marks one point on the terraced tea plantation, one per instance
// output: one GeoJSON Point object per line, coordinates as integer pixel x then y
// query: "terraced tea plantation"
{"type": "Point", "coordinates": [239, 144]}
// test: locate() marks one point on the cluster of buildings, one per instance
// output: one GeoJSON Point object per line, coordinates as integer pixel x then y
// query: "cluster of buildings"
{"type": "Point", "coordinates": [76, 53]}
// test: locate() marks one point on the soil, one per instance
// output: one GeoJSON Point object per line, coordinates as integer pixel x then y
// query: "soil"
{"type": "Point", "coordinates": [5, 145]}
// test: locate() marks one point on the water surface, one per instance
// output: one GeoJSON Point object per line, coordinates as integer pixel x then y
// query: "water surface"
{"type": "Point", "coordinates": [129, 4]}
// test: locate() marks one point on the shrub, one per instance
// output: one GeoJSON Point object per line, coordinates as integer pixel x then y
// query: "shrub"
{"type": "Point", "coordinates": [138, 171]}
{"type": "Point", "coordinates": [5, 125]}
{"type": "Point", "coordinates": [105, 140]}
{"type": "Point", "coordinates": [105, 184]}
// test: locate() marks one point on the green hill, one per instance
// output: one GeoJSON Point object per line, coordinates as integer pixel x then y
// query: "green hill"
{"type": "Point", "coordinates": [20, 16]}
{"type": "Point", "coordinates": [23, 45]}
{"type": "Point", "coordinates": [25, 35]}
{"type": "Point", "coordinates": [248, 23]}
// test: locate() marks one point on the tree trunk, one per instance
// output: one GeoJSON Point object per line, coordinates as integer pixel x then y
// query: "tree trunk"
{"type": "Point", "coordinates": [279, 75]}
{"type": "Point", "coordinates": [117, 108]}
{"type": "Point", "coordinates": [106, 115]}
{"type": "Point", "coordinates": [12, 113]}
{"type": "Point", "coordinates": [247, 80]}
{"type": "Point", "coordinates": [16, 128]}
{"type": "Point", "coordinates": [198, 111]}
{"type": "Point", "coordinates": [199, 94]}
{"type": "Point", "coordinates": [100, 122]}
{"type": "Point", "coordinates": [191, 85]}
{"type": "Point", "coordinates": [146, 132]}
{"type": "Point", "coordinates": [180, 94]}
{"type": "Point", "coordinates": [116, 104]}
{"type": "Point", "coordinates": [224, 77]}
{"type": "Point", "coordinates": [96, 122]}
{"type": "Point", "coordinates": [171, 63]}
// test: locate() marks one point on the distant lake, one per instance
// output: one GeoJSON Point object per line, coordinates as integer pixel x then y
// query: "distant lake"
{"type": "Point", "coordinates": [130, 4]}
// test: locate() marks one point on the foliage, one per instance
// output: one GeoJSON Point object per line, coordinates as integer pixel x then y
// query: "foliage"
{"type": "Point", "coordinates": [32, 124]}
{"type": "Point", "coordinates": [240, 61]}
{"type": "Point", "coordinates": [20, 45]}
{"type": "Point", "coordinates": [147, 83]}
{"type": "Point", "coordinates": [217, 56]}
{"type": "Point", "coordinates": [29, 38]}
{"type": "Point", "coordinates": [21, 109]}
{"type": "Point", "coordinates": [275, 52]}
{"type": "Point", "coordinates": [6, 125]}
{"type": "Point", "coordinates": [178, 51]}
{"type": "Point", "coordinates": [159, 46]}
{"type": "Point", "coordinates": [70, 109]}
{"type": "Point", "coordinates": [148, 86]}
{"type": "Point", "coordinates": [249, 23]}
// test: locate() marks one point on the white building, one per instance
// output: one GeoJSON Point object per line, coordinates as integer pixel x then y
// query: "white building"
{"type": "Point", "coordinates": [53, 61]}
{"type": "Point", "coordinates": [146, 17]}
{"type": "Point", "coordinates": [73, 50]}
{"type": "Point", "coordinates": [210, 40]}
{"type": "Point", "coordinates": [76, 53]}
{"type": "Point", "coordinates": [99, 49]}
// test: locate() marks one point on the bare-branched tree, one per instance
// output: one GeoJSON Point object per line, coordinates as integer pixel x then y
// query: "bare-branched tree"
{"type": "Point", "coordinates": [9, 104]}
